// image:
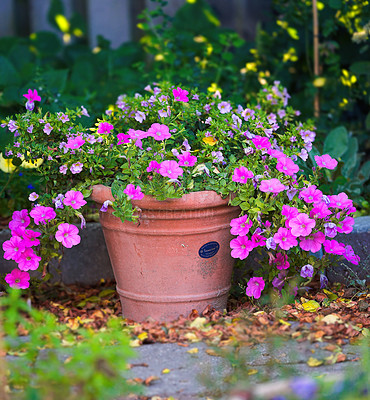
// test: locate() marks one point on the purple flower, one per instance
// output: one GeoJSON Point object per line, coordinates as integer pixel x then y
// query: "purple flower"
{"type": "Point", "coordinates": [304, 388]}
{"type": "Point", "coordinates": [48, 128]}
{"type": "Point", "coordinates": [224, 107]}
{"type": "Point", "coordinates": [307, 271]}
{"type": "Point", "coordinates": [76, 168]}
{"type": "Point", "coordinates": [104, 207]}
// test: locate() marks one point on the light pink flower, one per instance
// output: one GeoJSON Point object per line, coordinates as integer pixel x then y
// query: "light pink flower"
{"type": "Point", "coordinates": [284, 238]}
{"type": "Point", "coordinates": [171, 169]}
{"type": "Point", "coordinates": [33, 196]}
{"type": "Point", "coordinates": [180, 95]}
{"type": "Point", "coordinates": [272, 186]}
{"type": "Point", "coordinates": [76, 168]}
{"type": "Point", "coordinates": [312, 242]}
{"type": "Point", "coordinates": [48, 128]}
{"type": "Point", "coordinates": [346, 226]}
{"type": "Point", "coordinates": [240, 226]}
{"type": "Point", "coordinates": [186, 159]}
{"type": "Point", "coordinates": [159, 131]}
{"type": "Point", "coordinates": [19, 218]}
{"type": "Point", "coordinates": [32, 96]}
{"type": "Point", "coordinates": [301, 225]}
{"type": "Point", "coordinates": [105, 128]}
{"type": "Point", "coordinates": [63, 169]}
{"type": "Point", "coordinates": [41, 214]}
{"type": "Point", "coordinates": [13, 248]}
{"type": "Point", "coordinates": [242, 174]}
{"type": "Point", "coordinates": [224, 107]}
{"type": "Point", "coordinates": [75, 199]}
{"type": "Point", "coordinates": [137, 135]}
{"type": "Point", "coordinates": [133, 193]}
{"type": "Point", "coordinates": [28, 260]}
{"type": "Point", "coordinates": [325, 161]}
{"type": "Point", "coordinates": [332, 246]}
{"type": "Point", "coordinates": [18, 279]}
{"type": "Point", "coordinates": [311, 194]}
{"type": "Point", "coordinates": [67, 234]}
{"type": "Point", "coordinates": [241, 247]}
{"type": "Point", "coordinates": [75, 142]}
{"type": "Point", "coordinates": [153, 166]}
{"type": "Point", "coordinates": [287, 166]}
{"type": "Point", "coordinates": [254, 287]}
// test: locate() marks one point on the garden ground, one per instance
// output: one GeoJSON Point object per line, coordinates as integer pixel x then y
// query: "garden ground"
{"type": "Point", "coordinates": [203, 356]}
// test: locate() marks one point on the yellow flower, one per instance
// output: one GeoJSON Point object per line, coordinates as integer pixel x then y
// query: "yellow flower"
{"type": "Point", "coordinates": [32, 164]}
{"type": "Point", "coordinates": [210, 140]}
{"type": "Point", "coordinates": [6, 164]}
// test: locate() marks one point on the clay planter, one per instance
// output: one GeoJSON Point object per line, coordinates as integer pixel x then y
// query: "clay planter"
{"type": "Point", "coordinates": [176, 259]}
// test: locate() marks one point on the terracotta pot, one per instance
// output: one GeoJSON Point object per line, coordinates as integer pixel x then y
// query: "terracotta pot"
{"type": "Point", "coordinates": [175, 259]}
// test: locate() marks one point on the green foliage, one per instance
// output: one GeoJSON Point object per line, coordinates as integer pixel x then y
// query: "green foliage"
{"type": "Point", "coordinates": [44, 364]}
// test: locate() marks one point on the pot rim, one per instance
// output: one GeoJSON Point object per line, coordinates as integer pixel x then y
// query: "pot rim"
{"type": "Point", "coordinates": [193, 200]}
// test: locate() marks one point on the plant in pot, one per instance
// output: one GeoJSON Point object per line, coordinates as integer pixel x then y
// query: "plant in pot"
{"type": "Point", "coordinates": [173, 170]}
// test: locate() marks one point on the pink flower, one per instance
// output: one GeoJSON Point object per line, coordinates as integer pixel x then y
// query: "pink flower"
{"type": "Point", "coordinates": [261, 142]}
{"type": "Point", "coordinates": [76, 168]}
{"type": "Point", "coordinates": [159, 131]}
{"type": "Point", "coordinates": [254, 287]}
{"type": "Point", "coordinates": [301, 225]}
{"type": "Point", "coordinates": [63, 169]}
{"type": "Point", "coordinates": [19, 218]}
{"type": "Point", "coordinates": [48, 128]}
{"type": "Point", "coordinates": [67, 234]}
{"type": "Point", "coordinates": [180, 95]}
{"type": "Point", "coordinates": [153, 166]}
{"type": "Point", "coordinates": [242, 174]}
{"type": "Point", "coordinates": [285, 239]}
{"type": "Point", "coordinates": [320, 210]}
{"type": "Point", "coordinates": [346, 226]}
{"type": "Point", "coordinates": [133, 193]}
{"type": "Point", "coordinates": [75, 142]}
{"type": "Point", "coordinates": [123, 138]}
{"type": "Point", "coordinates": [224, 107]}
{"type": "Point", "coordinates": [272, 186]}
{"type": "Point", "coordinates": [240, 226]}
{"type": "Point", "coordinates": [241, 247]}
{"type": "Point", "coordinates": [258, 240]}
{"type": "Point", "coordinates": [332, 246]}
{"type": "Point", "coordinates": [18, 279]}
{"type": "Point", "coordinates": [281, 261]}
{"type": "Point", "coordinates": [350, 255]}
{"type": "Point", "coordinates": [289, 212]}
{"type": "Point", "coordinates": [137, 135]}
{"type": "Point", "coordinates": [186, 159]}
{"type": "Point", "coordinates": [340, 200]}
{"type": "Point", "coordinates": [41, 214]}
{"type": "Point", "coordinates": [13, 248]}
{"type": "Point", "coordinates": [171, 169]}
{"type": "Point", "coordinates": [312, 242]}
{"type": "Point", "coordinates": [75, 199]}
{"type": "Point", "coordinates": [30, 238]}
{"type": "Point", "coordinates": [28, 260]}
{"type": "Point", "coordinates": [287, 166]}
{"type": "Point", "coordinates": [311, 194]}
{"type": "Point", "coordinates": [32, 96]}
{"type": "Point", "coordinates": [105, 128]}
{"type": "Point", "coordinates": [325, 161]}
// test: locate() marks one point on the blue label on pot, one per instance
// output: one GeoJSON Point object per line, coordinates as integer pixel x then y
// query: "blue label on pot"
{"type": "Point", "coordinates": [209, 250]}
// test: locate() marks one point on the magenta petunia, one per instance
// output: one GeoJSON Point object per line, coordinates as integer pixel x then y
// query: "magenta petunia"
{"type": "Point", "coordinates": [133, 193]}
{"type": "Point", "coordinates": [74, 198]}
{"type": "Point", "coordinates": [153, 166]}
{"type": "Point", "coordinates": [19, 218]}
{"type": "Point", "coordinates": [18, 279]}
{"type": "Point", "coordinates": [325, 161]}
{"type": "Point", "coordinates": [186, 159]}
{"type": "Point", "coordinates": [301, 225]}
{"type": "Point", "coordinates": [13, 248]}
{"type": "Point", "coordinates": [271, 186]}
{"type": "Point", "coordinates": [170, 169]}
{"type": "Point", "coordinates": [346, 226]}
{"type": "Point", "coordinates": [67, 234]}
{"type": "Point", "coordinates": [281, 261]}
{"type": "Point", "coordinates": [287, 166]}
{"type": "Point", "coordinates": [312, 242]}
{"type": "Point", "coordinates": [75, 142]}
{"type": "Point", "coordinates": [123, 138]}
{"type": "Point", "coordinates": [28, 260]}
{"type": "Point", "coordinates": [258, 240]}
{"type": "Point", "coordinates": [311, 194]}
{"type": "Point", "coordinates": [261, 142]}
{"type": "Point", "coordinates": [30, 238]}
{"type": "Point", "coordinates": [41, 214]}
{"type": "Point", "coordinates": [242, 174]}
{"type": "Point", "coordinates": [241, 247]}
{"type": "Point", "coordinates": [284, 238]}
{"type": "Point", "coordinates": [240, 226]}
{"type": "Point", "coordinates": [255, 287]}
{"type": "Point", "coordinates": [333, 247]}
{"type": "Point", "coordinates": [180, 95]}
{"type": "Point", "coordinates": [105, 128]}
{"type": "Point", "coordinates": [340, 201]}
{"type": "Point", "coordinates": [320, 210]}
{"type": "Point", "coordinates": [350, 255]}
{"type": "Point", "coordinates": [32, 95]}
{"type": "Point", "coordinates": [159, 131]}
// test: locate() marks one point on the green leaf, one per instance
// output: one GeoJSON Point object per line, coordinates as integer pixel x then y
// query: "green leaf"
{"type": "Point", "coordinates": [360, 67]}
{"type": "Point", "coordinates": [55, 80]}
{"type": "Point", "coordinates": [336, 4]}
{"type": "Point", "coordinates": [350, 157]}
{"type": "Point", "coordinates": [336, 143]}
{"type": "Point", "coordinates": [364, 172]}
{"type": "Point", "coordinates": [367, 121]}
{"type": "Point", "coordinates": [46, 43]}
{"type": "Point", "coordinates": [8, 74]}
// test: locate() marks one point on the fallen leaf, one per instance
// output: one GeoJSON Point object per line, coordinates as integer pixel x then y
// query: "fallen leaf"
{"type": "Point", "coordinates": [212, 352]}
{"type": "Point", "coordinates": [150, 379]}
{"type": "Point", "coordinates": [332, 319]}
{"type": "Point", "coordinates": [143, 335]}
{"type": "Point", "coordinates": [198, 323]}
{"type": "Point", "coordinates": [194, 350]}
{"type": "Point", "coordinates": [135, 343]}
{"type": "Point", "coordinates": [192, 337]}
{"type": "Point", "coordinates": [166, 371]}
{"type": "Point", "coordinates": [314, 362]}
{"type": "Point", "coordinates": [252, 371]}
{"type": "Point", "coordinates": [331, 295]}
{"type": "Point", "coordinates": [311, 306]}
